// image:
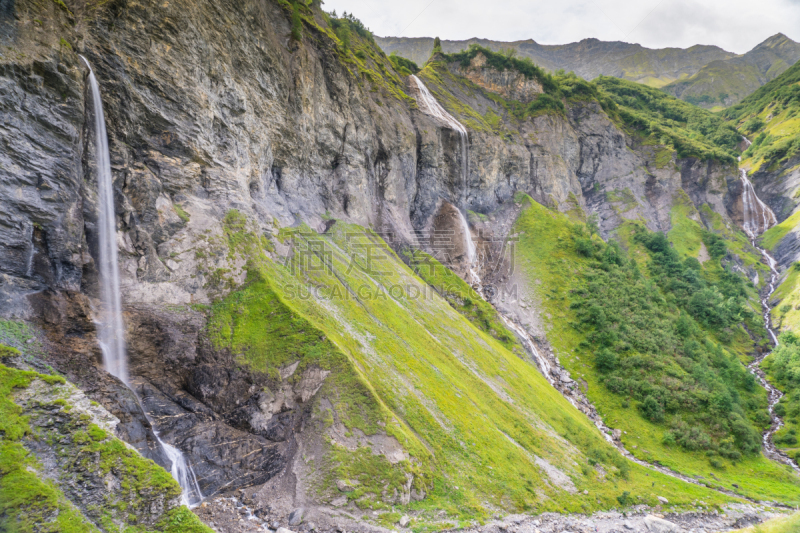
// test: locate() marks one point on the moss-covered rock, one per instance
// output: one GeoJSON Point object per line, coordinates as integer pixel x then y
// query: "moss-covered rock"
{"type": "Point", "coordinates": [62, 469]}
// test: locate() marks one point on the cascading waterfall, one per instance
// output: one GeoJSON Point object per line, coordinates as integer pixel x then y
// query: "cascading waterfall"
{"type": "Point", "coordinates": [183, 473]}
{"type": "Point", "coordinates": [469, 245]}
{"type": "Point", "coordinates": [430, 106]}
{"type": "Point", "coordinates": [110, 328]}
{"type": "Point", "coordinates": [757, 218]}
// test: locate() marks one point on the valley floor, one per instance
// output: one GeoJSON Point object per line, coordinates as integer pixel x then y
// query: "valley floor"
{"type": "Point", "coordinates": [231, 515]}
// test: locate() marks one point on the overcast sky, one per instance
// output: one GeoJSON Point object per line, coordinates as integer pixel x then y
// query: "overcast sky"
{"type": "Point", "coordinates": [735, 25]}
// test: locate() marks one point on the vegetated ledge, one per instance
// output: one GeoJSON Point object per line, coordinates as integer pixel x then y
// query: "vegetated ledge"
{"type": "Point", "coordinates": [61, 466]}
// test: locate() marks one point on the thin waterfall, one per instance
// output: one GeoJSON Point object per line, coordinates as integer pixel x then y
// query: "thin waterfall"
{"type": "Point", "coordinates": [110, 327]}
{"type": "Point", "coordinates": [468, 244]}
{"type": "Point", "coordinates": [430, 106]}
{"type": "Point", "coordinates": [183, 474]}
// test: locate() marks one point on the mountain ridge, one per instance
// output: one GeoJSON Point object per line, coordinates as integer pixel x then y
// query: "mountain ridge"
{"type": "Point", "coordinates": [698, 74]}
{"type": "Point", "coordinates": [567, 56]}
{"type": "Point", "coordinates": [727, 82]}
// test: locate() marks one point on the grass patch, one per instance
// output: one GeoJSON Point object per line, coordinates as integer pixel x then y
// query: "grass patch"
{"type": "Point", "coordinates": [783, 524]}
{"type": "Point", "coordinates": [183, 215]}
{"type": "Point", "coordinates": [774, 235]}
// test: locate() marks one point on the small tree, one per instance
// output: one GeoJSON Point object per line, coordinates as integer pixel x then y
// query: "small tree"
{"type": "Point", "coordinates": [437, 45]}
{"type": "Point", "coordinates": [605, 360]}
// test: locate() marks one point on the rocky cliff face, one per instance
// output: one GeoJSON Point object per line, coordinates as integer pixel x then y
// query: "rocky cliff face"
{"type": "Point", "coordinates": [215, 115]}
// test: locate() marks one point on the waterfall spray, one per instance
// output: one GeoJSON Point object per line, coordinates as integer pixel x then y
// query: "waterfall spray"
{"type": "Point", "coordinates": [110, 328]}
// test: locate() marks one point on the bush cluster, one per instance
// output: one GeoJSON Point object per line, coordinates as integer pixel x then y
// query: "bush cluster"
{"type": "Point", "coordinates": [404, 66]}
{"type": "Point", "coordinates": [652, 339]}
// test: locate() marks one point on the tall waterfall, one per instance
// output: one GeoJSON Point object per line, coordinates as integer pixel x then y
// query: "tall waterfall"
{"type": "Point", "coordinates": [110, 327]}
{"type": "Point", "coordinates": [430, 106]}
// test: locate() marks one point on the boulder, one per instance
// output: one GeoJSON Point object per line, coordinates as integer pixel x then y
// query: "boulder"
{"type": "Point", "coordinates": [296, 516]}
{"type": "Point", "coordinates": [659, 525]}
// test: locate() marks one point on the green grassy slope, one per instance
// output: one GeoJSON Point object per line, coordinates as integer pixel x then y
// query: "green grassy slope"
{"type": "Point", "coordinates": [770, 117]}
{"type": "Point", "coordinates": [484, 430]}
{"type": "Point", "coordinates": [726, 82]}
{"type": "Point", "coordinates": [556, 269]}
{"type": "Point", "coordinates": [786, 524]}
{"type": "Point", "coordinates": [717, 84]}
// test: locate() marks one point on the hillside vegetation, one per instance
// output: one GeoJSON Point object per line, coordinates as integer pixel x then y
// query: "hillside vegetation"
{"type": "Point", "coordinates": [648, 114]}
{"type": "Point", "coordinates": [658, 343]}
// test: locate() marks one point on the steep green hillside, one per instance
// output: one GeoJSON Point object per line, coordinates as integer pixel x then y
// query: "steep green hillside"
{"type": "Point", "coordinates": [783, 368]}
{"type": "Point", "coordinates": [692, 131]}
{"type": "Point", "coordinates": [482, 430]}
{"type": "Point", "coordinates": [659, 361]}
{"type": "Point", "coordinates": [726, 82]}
{"type": "Point", "coordinates": [770, 117]}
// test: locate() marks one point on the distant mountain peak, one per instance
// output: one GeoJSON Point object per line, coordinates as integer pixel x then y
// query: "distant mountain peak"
{"type": "Point", "coordinates": [775, 40]}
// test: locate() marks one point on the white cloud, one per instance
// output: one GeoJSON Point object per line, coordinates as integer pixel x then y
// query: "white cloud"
{"type": "Point", "coordinates": [735, 25]}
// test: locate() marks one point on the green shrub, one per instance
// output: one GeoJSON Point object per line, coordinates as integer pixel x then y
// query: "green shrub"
{"type": "Point", "coordinates": [402, 65]}
{"type": "Point", "coordinates": [652, 409]}
{"type": "Point", "coordinates": [605, 361]}
{"type": "Point", "coordinates": [546, 103]}
{"type": "Point", "coordinates": [297, 23]}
